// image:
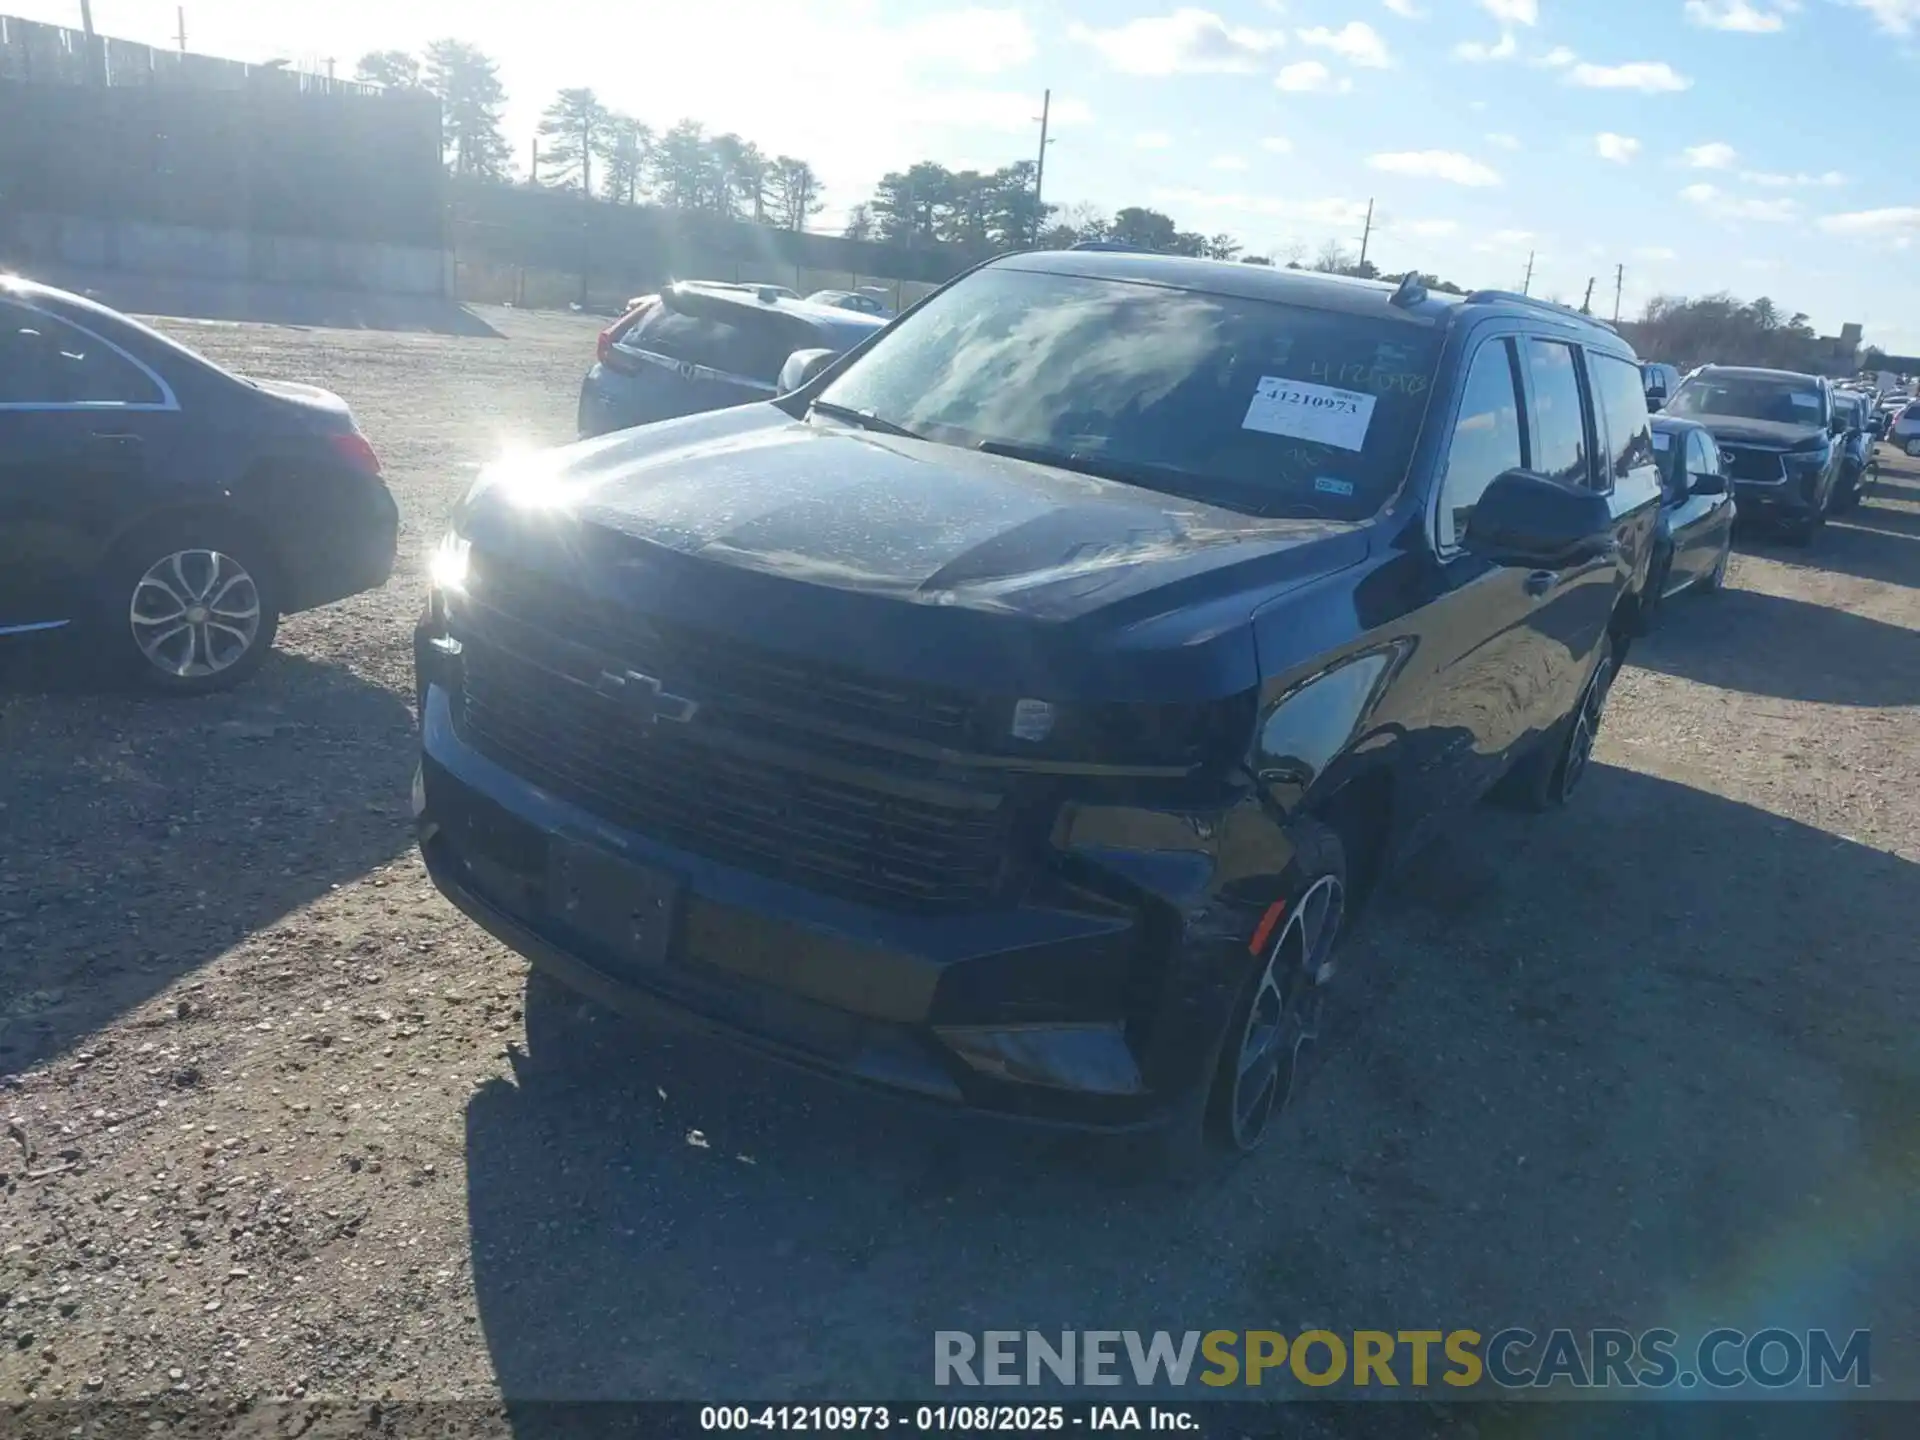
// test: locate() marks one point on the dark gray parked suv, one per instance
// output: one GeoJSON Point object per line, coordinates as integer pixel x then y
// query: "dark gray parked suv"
{"type": "Point", "coordinates": [1778, 435]}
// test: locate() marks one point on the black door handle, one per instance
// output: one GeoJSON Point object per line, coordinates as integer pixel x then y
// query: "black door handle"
{"type": "Point", "coordinates": [120, 439]}
{"type": "Point", "coordinates": [1539, 582]}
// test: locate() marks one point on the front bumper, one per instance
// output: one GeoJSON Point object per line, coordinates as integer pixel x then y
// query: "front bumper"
{"type": "Point", "coordinates": [1796, 497]}
{"type": "Point", "coordinates": [1125, 997]}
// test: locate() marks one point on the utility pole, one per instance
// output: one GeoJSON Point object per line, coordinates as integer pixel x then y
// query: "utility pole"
{"type": "Point", "coordinates": [96, 61]}
{"type": "Point", "coordinates": [1366, 234]}
{"type": "Point", "coordinates": [1526, 285]}
{"type": "Point", "coordinates": [1619, 281]}
{"type": "Point", "coordinates": [180, 15]}
{"type": "Point", "coordinates": [1040, 166]}
{"type": "Point", "coordinates": [1586, 305]}
{"type": "Point", "coordinates": [533, 166]}
{"type": "Point", "coordinates": [330, 69]}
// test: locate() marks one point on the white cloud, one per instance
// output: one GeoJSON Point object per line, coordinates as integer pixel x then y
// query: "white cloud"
{"type": "Point", "coordinates": [1448, 165]}
{"type": "Point", "coordinates": [1558, 58]}
{"type": "Point", "coordinates": [1714, 155]}
{"type": "Point", "coordinates": [1617, 148]}
{"type": "Point", "coordinates": [1356, 41]}
{"type": "Point", "coordinates": [1431, 229]}
{"type": "Point", "coordinates": [1277, 144]}
{"type": "Point", "coordinates": [1650, 77]}
{"type": "Point", "coordinates": [1502, 240]}
{"type": "Point", "coordinates": [1735, 207]}
{"type": "Point", "coordinates": [1896, 17]}
{"type": "Point", "coordinates": [1479, 50]}
{"type": "Point", "coordinates": [1187, 42]}
{"type": "Point", "coordinates": [1405, 9]}
{"type": "Point", "coordinates": [1311, 77]}
{"type": "Point", "coordinates": [1503, 140]}
{"type": "Point", "coordinates": [1873, 222]}
{"type": "Point", "coordinates": [1513, 12]}
{"type": "Point", "coordinates": [1330, 213]}
{"type": "Point", "coordinates": [1740, 15]}
{"type": "Point", "coordinates": [1774, 180]}
{"type": "Point", "coordinates": [1153, 140]}
{"type": "Point", "coordinates": [1226, 162]}
{"type": "Point", "coordinates": [982, 41]}
{"type": "Point", "coordinates": [1655, 253]}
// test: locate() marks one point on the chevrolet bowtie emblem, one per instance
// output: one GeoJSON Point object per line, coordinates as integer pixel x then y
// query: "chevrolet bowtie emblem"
{"type": "Point", "coordinates": [643, 698]}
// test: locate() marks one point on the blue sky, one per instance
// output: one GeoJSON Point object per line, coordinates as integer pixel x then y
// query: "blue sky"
{"type": "Point", "coordinates": [1746, 145]}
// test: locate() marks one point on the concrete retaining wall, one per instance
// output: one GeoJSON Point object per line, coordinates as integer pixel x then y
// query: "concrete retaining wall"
{"type": "Point", "coordinates": [143, 248]}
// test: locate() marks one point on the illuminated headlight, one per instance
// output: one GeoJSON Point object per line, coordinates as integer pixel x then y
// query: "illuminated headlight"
{"type": "Point", "coordinates": [447, 567]}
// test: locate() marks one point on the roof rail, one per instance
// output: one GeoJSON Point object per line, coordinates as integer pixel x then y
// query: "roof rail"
{"type": "Point", "coordinates": [1514, 297]}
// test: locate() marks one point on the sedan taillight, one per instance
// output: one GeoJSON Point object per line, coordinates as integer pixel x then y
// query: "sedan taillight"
{"type": "Point", "coordinates": [354, 448]}
{"type": "Point", "coordinates": [609, 337]}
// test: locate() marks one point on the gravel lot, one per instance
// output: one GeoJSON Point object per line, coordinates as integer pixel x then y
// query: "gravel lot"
{"type": "Point", "coordinates": [1653, 1061]}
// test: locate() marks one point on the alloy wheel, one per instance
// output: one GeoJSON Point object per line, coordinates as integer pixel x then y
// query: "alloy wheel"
{"type": "Point", "coordinates": [195, 613]}
{"type": "Point", "coordinates": [1586, 724]}
{"type": "Point", "coordinates": [1285, 1012]}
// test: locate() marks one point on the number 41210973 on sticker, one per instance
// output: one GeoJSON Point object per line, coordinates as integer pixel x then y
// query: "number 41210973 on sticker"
{"type": "Point", "coordinates": [1304, 411]}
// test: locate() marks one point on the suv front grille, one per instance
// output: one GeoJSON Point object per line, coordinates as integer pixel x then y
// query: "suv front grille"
{"type": "Point", "coordinates": [822, 824]}
{"type": "Point", "coordinates": [720, 671]}
{"type": "Point", "coordinates": [1743, 462]}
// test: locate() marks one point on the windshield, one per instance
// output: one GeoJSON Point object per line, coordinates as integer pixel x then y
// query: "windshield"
{"type": "Point", "coordinates": [1267, 408]}
{"type": "Point", "coordinates": [1782, 402]}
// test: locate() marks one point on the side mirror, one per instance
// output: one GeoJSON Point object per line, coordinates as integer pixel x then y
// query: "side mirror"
{"type": "Point", "coordinates": [1707, 484]}
{"type": "Point", "coordinates": [1524, 519]}
{"type": "Point", "coordinates": [803, 367]}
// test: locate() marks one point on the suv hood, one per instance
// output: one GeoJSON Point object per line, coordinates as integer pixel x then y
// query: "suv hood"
{"type": "Point", "coordinates": [1736, 430]}
{"type": "Point", "coordinates": [743, 515]}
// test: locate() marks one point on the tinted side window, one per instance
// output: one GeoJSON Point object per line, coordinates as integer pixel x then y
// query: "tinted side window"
{"type": "Point", "coordinates": [1559, 426]}
{"type": "Point", "coordinates": [1706, 457]}
{"type": "Point", "coordinates": [44, 361]}
{"type": "Point", "coordinates": [1486, 438]}
{"type": "Point", "coordinates": [1616, 387]}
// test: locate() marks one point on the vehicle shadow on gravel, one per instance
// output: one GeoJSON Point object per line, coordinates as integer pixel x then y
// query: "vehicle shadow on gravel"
{"type": "Point", "coordinates": [1763, 644]}
{"type": "Point", "coordinates": [1589, 1069]}
{"type": "Point", "coordinates": [145, 836]}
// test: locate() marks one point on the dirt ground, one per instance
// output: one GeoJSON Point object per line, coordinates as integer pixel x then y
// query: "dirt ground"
{"type": "Point", "coordinates": [272, 1130]}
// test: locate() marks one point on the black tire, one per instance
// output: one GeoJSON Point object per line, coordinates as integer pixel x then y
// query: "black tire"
{"type": "Point", "coordinates": [1547, 778]}
{"type": "Point", "coordinates": [166, 564]}
{"type": "Point", "coordinates": [1282, 991]}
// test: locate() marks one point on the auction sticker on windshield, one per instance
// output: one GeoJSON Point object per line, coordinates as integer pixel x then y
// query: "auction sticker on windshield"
{"type": "Point", "coordinates": [1319, 413]}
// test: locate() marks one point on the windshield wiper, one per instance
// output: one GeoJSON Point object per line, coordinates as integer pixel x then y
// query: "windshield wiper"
{"type": "Point", "coordinates": [865, 419]}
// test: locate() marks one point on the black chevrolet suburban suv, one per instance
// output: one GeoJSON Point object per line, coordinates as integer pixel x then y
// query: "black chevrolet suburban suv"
{"type": "Point", "coordinates": [1014, 712]}
{"type": "Point", "coordinates": [1780, 438]}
